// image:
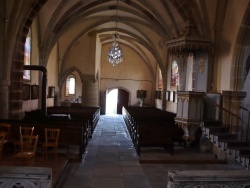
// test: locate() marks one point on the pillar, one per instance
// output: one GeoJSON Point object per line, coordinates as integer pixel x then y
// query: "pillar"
{"type": "Point", "coordinates": [232, 100]}
{"type": "Point", "coordinates": [4, 100]}
{"type": "Point", "coordinates": [90, 94]}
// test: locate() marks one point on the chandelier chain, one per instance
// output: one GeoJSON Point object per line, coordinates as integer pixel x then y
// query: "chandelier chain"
{"type": "Point", "coordinates": [115, 52]}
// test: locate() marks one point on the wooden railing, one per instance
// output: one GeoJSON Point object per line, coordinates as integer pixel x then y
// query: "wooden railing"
{"type": "Point", "coordinates": [232, 123]}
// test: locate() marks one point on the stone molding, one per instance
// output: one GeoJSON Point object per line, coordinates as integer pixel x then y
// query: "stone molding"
{"type": "Point", "coordinates": [208, 179]}
{"type": "Point", "coordinates": [28, 177]}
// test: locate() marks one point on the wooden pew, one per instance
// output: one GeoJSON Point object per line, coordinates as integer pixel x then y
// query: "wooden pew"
{"type": "Point", "coordinates": [150, 127]}
{"type": "Point", "coordinates": [153, 134]}
{"type": "Point", "coordinates": [71, 134]}
{"type": "Point", "coordinates": [90, 114]}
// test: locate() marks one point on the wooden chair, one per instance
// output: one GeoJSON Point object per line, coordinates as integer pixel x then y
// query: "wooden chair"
{"type": "Point", "coordinates": [24, 131]}
{"type": "Point", "coordinates": [2, 138]}
{"type": "Point", "coordinates": [5, 127]}
{"type": "Point", "coordinates": [51, 142]}
{"type": "Point", "coordinates": [28, 151]}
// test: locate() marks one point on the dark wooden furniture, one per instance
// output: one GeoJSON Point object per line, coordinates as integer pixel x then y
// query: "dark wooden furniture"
{"type": "Point", "coordinates": [72, 133]}
{"type": "Point", "coordinates": [151, 127]}
{"type": "Point", "coordinates": [155, 135]}
{"type": "Point", "coordinates": [78, 113]}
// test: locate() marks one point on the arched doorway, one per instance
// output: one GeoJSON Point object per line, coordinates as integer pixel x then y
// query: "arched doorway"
{"type": "Point", "coordinates": [115, 100]}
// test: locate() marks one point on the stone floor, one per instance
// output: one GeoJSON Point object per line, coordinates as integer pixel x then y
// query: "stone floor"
{"type": "Point", "coordinates": [111, 161]}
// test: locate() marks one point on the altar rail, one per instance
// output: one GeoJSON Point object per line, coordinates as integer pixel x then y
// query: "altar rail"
{"type": "Point", "coordinates": [28, 177]}
{"type": "Point", "coordinates": [208, 178]}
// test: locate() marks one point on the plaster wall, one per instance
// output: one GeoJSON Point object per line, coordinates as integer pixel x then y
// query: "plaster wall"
{"type": "Point", "coordinates": [132, 74]}
{"type": "Point", "coordinates": [34, 52]}
{"type": "Point", "coordinates": [52, 68]}
{"type": "Point", "coordinates": [82, 55]}
{"type": "Point", "coordinates": [30, 105]}
{"type": "Point", "coordinates": [98, 56]}
{"type": "Point", "coordinates": [229, 30]}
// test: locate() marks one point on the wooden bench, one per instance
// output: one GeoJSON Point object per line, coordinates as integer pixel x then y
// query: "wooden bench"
{"type": "Point", "coordinates": [150, 127]}
{"type": "Point", "coordinates": [90, 114]}
{"type": "Point", "coordinates": [157, 134]}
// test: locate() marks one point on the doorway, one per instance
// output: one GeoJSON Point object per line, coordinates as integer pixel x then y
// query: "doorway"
{"type": "Point", "coordinates": [115, 100]}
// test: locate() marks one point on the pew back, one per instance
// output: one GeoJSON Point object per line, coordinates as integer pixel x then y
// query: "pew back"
{"type": "Point", "coordinates": [71, 134]}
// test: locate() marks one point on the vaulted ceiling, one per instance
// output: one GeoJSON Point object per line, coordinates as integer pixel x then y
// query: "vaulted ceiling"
{"type": "Point", "coordinates": [143, 25]}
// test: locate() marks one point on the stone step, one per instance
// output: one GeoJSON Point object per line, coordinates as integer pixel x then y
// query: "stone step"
{"type": "Point", "coordinates": [228, 142]}
{"type": "Point", "coordinates": [238, 144]}
{"type": "Point", "coordinates": [221, 137]}
{"type": "Point", "coordinates": [245, 161]}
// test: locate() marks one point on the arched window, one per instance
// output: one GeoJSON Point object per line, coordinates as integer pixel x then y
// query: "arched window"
{"type": "Point", "coordinates": [70, 85]}
{"type": "Point", "coordinates": [27, 55]}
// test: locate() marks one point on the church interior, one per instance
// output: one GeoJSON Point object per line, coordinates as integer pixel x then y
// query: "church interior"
{"type": "Point", "coordinates": [92, 80]}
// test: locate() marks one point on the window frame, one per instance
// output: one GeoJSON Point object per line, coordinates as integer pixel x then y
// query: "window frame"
{"type": "Point", "coordinates": [67, 86]}
{"type": "Point", "coordinates": [27, 55]}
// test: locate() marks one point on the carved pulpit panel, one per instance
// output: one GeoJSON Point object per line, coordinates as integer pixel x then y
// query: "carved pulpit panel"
{"type": "Point", "coordinates": [189, 112]}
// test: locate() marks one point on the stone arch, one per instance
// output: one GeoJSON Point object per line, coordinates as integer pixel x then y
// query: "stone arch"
{"type": "Point", "coordinates": [17, 62]}
{"type": "Point", "coordinates": [119, 87]}
{"type": "Point", "coordinates": [65, 74]}
{"type": "Point", "coordinates": [241, 53]}
{"type": "Point", "coordinates": [247, 69]}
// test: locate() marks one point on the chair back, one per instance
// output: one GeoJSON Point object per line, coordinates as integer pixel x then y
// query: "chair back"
{"type": "Point", "coordinates": [52, 135]}
{"type": "Point", "coordinates": [28, 143]}
{"type": "Point", "coordinates": [5, 128]}
{"type": "Point", "coordinates": [28, 131]}
{"type": "Point", "coordinates": [2, 138]}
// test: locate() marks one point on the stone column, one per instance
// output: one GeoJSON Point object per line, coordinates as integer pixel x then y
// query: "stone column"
{"type": "Point", "coordinates": [90, 94]}
{"type": "Point", "coordinates": [164, 90]}
{"type": "Point", "coordinates": [232, 100]}
{"type": "Point", "coordinates": [4, 100]}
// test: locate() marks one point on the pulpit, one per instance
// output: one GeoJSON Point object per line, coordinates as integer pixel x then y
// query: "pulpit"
{"type": "Point", "coordinates": [189, 113]}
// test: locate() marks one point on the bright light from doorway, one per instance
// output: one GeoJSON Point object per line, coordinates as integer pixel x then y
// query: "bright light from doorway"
{"type": "Point", "coordinates": [111, 102]}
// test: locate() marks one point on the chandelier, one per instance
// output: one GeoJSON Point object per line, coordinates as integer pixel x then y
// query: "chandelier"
{"type": "Point", "coordinates": [115, 52]}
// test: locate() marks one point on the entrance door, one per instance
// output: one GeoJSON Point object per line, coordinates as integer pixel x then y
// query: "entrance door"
{"type": "Point", "coordinates": [122, 100]}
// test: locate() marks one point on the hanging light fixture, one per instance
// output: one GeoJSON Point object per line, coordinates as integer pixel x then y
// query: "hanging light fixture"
{"type": "Point", "coordinates": [115, 52]}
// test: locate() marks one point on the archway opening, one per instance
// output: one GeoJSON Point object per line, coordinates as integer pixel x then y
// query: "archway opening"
{"type": "Point", "coordinates": [111, 102]}
{"type": "Point", "coordinates": [115, 100]}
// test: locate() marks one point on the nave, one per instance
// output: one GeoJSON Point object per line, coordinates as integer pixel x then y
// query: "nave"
{"type": "Point", "coordinates": [111, 161]}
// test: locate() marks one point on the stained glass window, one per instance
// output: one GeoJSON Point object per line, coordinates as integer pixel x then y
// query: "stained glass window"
{"type": "Point", "coordinates": [27, 56]}
{"type": "Point", "coordinates": [174, 74]}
